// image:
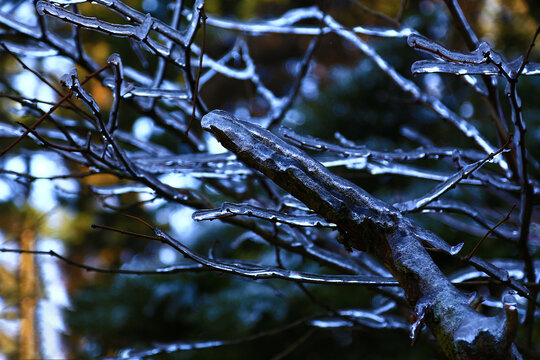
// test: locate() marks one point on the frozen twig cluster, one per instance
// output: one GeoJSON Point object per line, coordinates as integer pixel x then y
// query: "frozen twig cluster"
{"type": "Point", "coordinates": [305, 209]}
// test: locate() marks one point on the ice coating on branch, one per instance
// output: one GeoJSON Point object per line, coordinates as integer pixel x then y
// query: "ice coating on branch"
{"type": "Point", "coordinates": [531, 69]}
{"type": "Point", "coordinates": [201, 166]}
{"type": "Point", "coordinates": [367, 318]}
{"type": "Point", "coordinates": [71, 81]}
{"type": "Point", "coordinates": [432, 152]}
{"type": "Point", "coordinates": [408, 86]}
{"type": "Point", "coordinates": [421, 308]}
{"type": "Point", "coordinates": [421, 43]}
{"type": "Point", "coordinates": [30, 50]}
{"type": "Point", "coordinates": [68, 2]}
{"type": "Point", "coordinates": [121, 189]}
{"type": "Point", "coordinates": [137, 32]}
{"type": "Point", "coordinates": [229, 209]}
{"type": "Point", "coordinates": [285, 25]}
{"type": "Point", "coordinates": [141, 32]}
{"type": "Point", "coordinates": [45, 8]}
{"type": "Point", "coordinates": [374, 161]}
{"type": "Point", "coordinates": [481, 61]}
{"type": "Point", "coordinates": [439, 190]}
{"type": "Point", "coordinates": [254, 146]}
{"type": "Point", "coordinates": [8, 21]}
{"type": "Point", "coordinates": [454, 250]}
{"type": "Point", "coordinates": [258, 271]}
{"type": "Point", "coordinates": [331, 323]}
{"type": "Point", "coordinates": [355, 212]}
{"type": "Point", "coordinates": [116, 60]}
{"type": "Point", "coordinates": [169, 348]}
{"type": "Point", "coordinates": [129, 89]}
{"type": "Point", "coordinates": [436, 66]}
{"type": "Point", "coordinates": [242, 74]}
{"type": "Point", "coordinates": [194, 22]}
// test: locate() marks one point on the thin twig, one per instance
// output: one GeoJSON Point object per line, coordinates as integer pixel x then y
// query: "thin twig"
{"type": "Point", "coordinates": [51, 110]}
{"type": "Point", "coordinates": [47, 142]}
{"type": "Point", "coordinates": [529, 49]}
{"type": "Point", "coordinates": [302, 72]}
{"type": "Point", "coordinates": [33, 178]}
{"type": "Point", "coordinates": [159, 271]}
{"type": "Point", "coordinates": [287, 351]}
{"type": "Point", "coordinates": [468, 257]}
{"type": "Point", "coordinates": [219, 343]}
{"type": "Point", "coordinates": [401, 12]}
{"type": "Point", "coordinates": [41, 77]}
{"type": "Point", "coordinates": [151, 227]}
{"type": "Point", "coordinates": [492, 98]}
{"type": "Point", "coordinates": [125, 232]}
{"type": "Point", "coordinates": [196, 89]}
{"type": "Point", "coordinates": [377, 14]}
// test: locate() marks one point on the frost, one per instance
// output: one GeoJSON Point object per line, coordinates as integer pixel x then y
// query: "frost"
{"type": "Point", "coordinates": [176, 157]}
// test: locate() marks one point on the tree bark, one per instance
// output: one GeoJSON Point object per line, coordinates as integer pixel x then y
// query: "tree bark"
{"type": "Point", "coordinates": [369, 224]}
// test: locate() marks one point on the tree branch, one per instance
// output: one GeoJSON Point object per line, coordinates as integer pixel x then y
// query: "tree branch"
{"type": "Point", "coordinates": [369, 224]}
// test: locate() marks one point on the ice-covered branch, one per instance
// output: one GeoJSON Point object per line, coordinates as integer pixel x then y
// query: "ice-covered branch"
{"type": "Point", "coordinates": [118, 67]}
{"type": "Point", "coordinates": [285, 24]}
{"type": "Point", "coordinates": [410, 87]}
{"type": "Point", "coordinates": [139, 32]}
{"type": "Point", "coordinates": [173, 269]}
{"type": "Point", "coordinates": [129, 90]}
{"type": "Point", "coordinates": [448, 206]}
{"type": "Point", "coordinates": [483, 60]}
{"type": "Point", "coordinates": [229, 209]}
{"type": "Point", "coordinates": [369, 224]}
{"type": "Point", "coordinates": [395, 257]}
{"type": "Point", "coordinates": [254, 271]}
{"type": "Point", "coordinates": [71, 81]}
{"type": "Point", "coordinates": [447, 185]}
{"type": "Point", "coordinates": [313, 143]}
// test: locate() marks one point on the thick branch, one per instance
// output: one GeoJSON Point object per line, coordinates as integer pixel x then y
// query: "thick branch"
{"type": "Point", "coordinates": [370, 224]}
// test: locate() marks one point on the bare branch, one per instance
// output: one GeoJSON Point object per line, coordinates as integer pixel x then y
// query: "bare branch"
{"type": "Point", "coordinates": [447, 185]}
{"type": "Point", "coordinates": [229, 209]}
{"type": "Point", "coordinates": [489, 231]}
{"type": "Point", "coordinates": [367, 223]}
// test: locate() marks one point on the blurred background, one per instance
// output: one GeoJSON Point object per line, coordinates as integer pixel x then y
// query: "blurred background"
{"type": "Point", "coordinates": [83, 314]}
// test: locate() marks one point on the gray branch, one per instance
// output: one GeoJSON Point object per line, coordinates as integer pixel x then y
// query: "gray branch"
{"type": "Point", "coordinates": [370, 224]}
